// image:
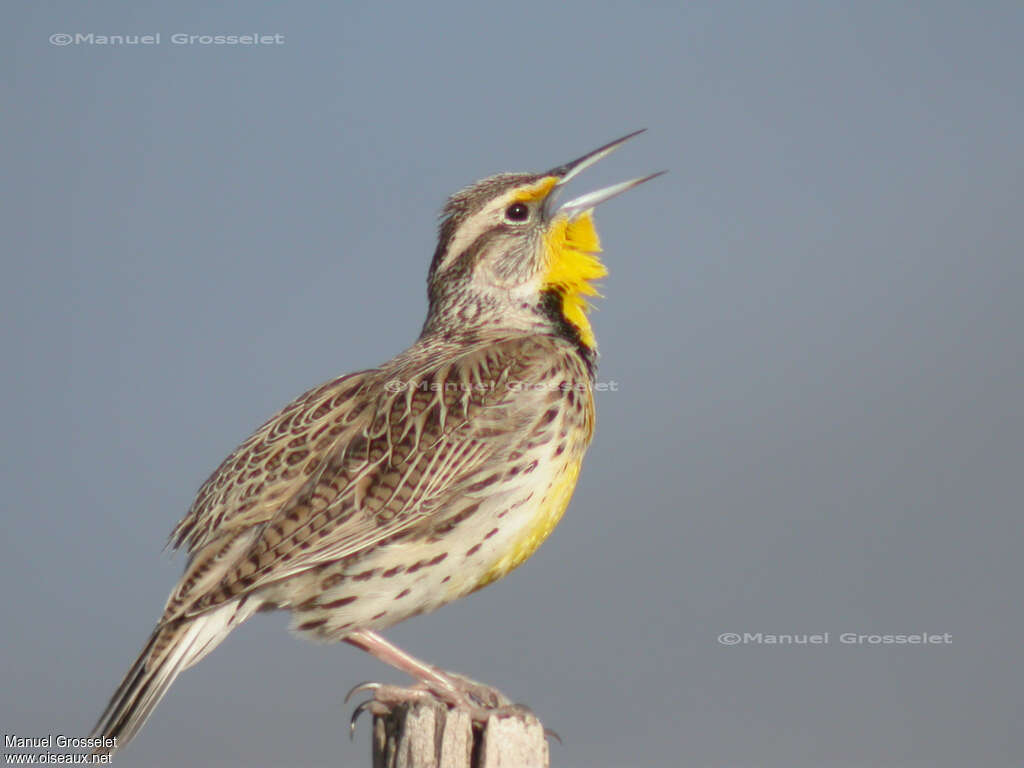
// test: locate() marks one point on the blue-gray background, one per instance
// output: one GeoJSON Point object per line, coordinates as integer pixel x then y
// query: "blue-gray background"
{"type": "Point", "coordinates": [814, 322]}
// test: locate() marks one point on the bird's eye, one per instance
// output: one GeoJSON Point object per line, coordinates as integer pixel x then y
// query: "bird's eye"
{"type": "Point", "coordinates": [517, 212]}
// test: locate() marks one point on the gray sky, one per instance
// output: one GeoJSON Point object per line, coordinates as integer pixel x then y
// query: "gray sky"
{"type": "Point", "coordinates": [814, 322]}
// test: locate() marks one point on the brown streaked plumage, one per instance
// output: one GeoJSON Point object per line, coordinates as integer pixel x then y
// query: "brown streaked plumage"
{"type": "Point", "coordinates": [390, 492]}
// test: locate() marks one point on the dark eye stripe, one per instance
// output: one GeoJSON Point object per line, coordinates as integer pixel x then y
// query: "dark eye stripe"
{"type": "Point", "coordinates": [466, 261]}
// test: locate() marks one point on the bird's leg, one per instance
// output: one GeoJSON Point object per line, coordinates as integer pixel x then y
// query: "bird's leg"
{"type": "Point", "coordinates": [480, 700]}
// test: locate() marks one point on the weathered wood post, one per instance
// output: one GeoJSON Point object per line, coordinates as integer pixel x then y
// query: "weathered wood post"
{"type": "Point", "coordinates": [427, 734]}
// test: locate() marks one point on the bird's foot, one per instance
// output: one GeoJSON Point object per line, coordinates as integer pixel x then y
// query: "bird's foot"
{"type": "Point", "coordinates": [471, 694]}
{"type": "Point", "coordinates": [479, 701]}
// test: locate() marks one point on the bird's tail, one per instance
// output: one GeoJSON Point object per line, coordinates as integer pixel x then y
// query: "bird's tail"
{"type": "Point", "coordinates": [172, 648]}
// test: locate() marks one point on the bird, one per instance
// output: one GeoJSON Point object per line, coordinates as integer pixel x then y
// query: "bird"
{"type": "Point", "coordinates": [389, 492]}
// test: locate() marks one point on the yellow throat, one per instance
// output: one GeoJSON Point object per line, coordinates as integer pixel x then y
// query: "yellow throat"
{"type": "Point", "coordinates": [572, 246]}
{"type": "Point", "coordinates": [573, 265]}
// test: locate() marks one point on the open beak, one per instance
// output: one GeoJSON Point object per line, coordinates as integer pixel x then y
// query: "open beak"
{"type": "Point", "coordinates": [569, 171]}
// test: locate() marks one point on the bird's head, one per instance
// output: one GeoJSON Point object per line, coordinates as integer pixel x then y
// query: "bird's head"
{"type": "Point", "coordinates": [510, 257]}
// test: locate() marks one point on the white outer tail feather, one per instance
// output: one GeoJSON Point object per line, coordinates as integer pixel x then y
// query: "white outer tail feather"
{"type": "Point", "coordinates": [149, 678]}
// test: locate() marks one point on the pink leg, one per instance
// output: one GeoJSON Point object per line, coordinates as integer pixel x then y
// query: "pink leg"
{"type": "Point", "coordinates": [480, 700]}
{"type": "Point", "coordinates": [391, 654]}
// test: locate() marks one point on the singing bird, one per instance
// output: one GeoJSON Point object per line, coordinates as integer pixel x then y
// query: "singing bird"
{"type": "Point", "coordinates": [390, 492]}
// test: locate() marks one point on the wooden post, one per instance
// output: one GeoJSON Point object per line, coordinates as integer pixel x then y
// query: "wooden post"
{"type": "Point", "coordinates": [427, 734]}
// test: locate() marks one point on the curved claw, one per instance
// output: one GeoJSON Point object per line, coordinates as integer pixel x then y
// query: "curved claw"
{"type": "Point", "coordinates": [360, 687]}
{"type": "Point", "coordinates": [548, 732]}
{"type": "Point", "coordinates": [553, 735]}
{"type": "Point", "coordinates": [355, 718]}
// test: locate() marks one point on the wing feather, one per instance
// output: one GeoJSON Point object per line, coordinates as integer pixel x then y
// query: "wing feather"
{"type": "Point", "coordinates": [397, 458]}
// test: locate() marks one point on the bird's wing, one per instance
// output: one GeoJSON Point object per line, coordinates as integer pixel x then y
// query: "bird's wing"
{"type": "Point", "coordinates": [273, 465]}
{"type": "Point", "coordinates": [428, 434]}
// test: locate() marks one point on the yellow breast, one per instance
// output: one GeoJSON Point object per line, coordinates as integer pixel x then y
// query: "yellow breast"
{"type": "Point", "coordinates": [543, 521]}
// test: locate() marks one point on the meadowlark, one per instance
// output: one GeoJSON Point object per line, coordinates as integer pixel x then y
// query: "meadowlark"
{"type": "Point", "coordinates": [389, 492]}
